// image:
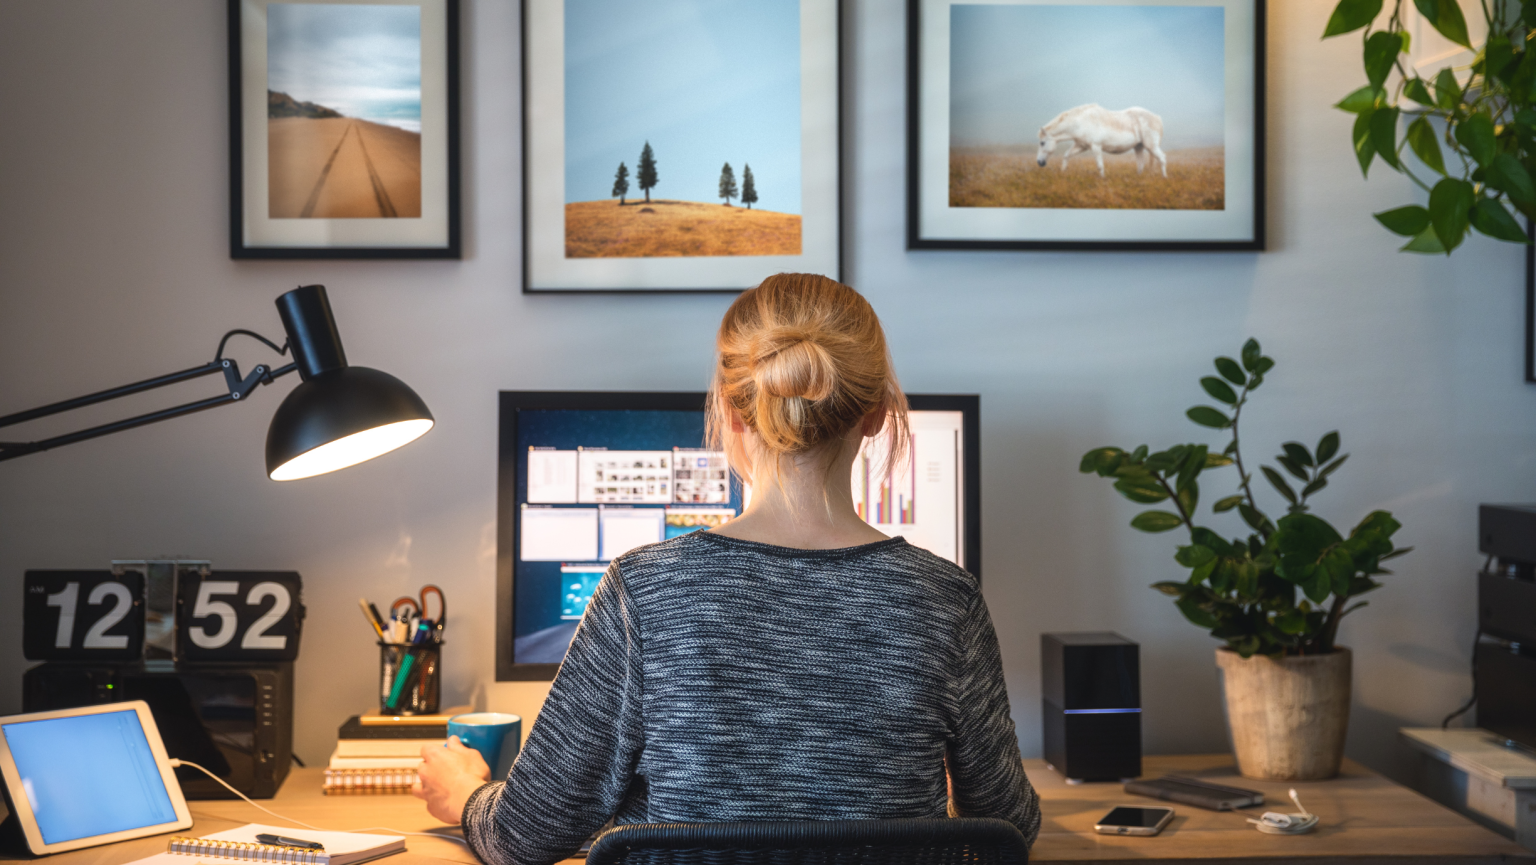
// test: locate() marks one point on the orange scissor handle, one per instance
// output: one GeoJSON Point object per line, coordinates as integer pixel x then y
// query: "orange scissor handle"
{"type": "Point", "coordinates": [442, 603]}
{"type": "Point", "coordinates": [405, 601]}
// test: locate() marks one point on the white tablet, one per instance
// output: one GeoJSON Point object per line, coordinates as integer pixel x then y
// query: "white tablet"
{"type": "Point", "coordinates": [95, 775]}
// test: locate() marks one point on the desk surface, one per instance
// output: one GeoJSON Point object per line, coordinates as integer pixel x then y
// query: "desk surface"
{"type": "Point", "coordinates": [1365, 819]}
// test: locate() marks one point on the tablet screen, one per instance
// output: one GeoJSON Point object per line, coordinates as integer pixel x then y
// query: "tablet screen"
{"type": "Point", "coordinates": [88, 775]}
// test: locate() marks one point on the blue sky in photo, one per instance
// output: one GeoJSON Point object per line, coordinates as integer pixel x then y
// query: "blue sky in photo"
{"type": "Point", "coordinates": [1014, 68]}
{"type": "Point", "coordinates": [364, 61]}
{"type": "Point", "coordinates": [706, 82]}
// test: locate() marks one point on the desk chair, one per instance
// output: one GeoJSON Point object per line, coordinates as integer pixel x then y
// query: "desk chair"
{"type": "Point", "coordinates": [830, 842]}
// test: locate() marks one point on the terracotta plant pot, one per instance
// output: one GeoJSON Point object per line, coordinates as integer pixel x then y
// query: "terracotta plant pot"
{"type": "Point", "coordinates": [1287, 717]}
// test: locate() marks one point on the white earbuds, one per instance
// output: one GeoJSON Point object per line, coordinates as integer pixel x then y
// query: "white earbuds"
{"type": "Point", "coordinates": [1275, 823]}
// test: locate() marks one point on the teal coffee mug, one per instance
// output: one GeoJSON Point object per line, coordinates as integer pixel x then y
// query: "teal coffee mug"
{"type": "Point", "coordinates": [496, 735]}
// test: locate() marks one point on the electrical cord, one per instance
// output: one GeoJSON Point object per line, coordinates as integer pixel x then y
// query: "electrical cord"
{"type": "Point", "coordinates": [1471, 701]}
{"type": "Point", "coordinates": [219, 355]}
{"type": "Point", "coordinates": [177, 763]}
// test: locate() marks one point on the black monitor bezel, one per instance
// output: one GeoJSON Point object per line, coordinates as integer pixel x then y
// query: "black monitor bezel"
{"type": "Point", "coordinates": [513, 401]}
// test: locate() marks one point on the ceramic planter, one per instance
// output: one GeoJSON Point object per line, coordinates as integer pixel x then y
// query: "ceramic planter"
{"type": "Point", "coordinates": [1287, 717]}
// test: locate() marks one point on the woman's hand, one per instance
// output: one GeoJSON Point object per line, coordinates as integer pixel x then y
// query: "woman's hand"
{"type": "Point", "coordinates": [447, 777]}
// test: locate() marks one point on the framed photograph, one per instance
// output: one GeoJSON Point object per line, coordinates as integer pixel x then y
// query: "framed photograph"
{"type": "Point", "coordinates": [679, 145]}
{"type": "Point", "coordinates": [344, 129]}
{"type": "Point", "coordinates": [1086, 124]}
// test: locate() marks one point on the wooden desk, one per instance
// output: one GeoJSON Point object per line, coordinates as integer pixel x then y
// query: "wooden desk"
{"type": "Point", "coordinates": [1367, 820]}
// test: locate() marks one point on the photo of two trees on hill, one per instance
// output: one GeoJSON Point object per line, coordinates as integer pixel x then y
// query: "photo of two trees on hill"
{"type": "Point", "coordinates": [701, 90]}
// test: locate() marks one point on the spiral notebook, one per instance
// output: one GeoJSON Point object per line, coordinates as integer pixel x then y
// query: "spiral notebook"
{"type": "Point", "coordinates": [341, 848]}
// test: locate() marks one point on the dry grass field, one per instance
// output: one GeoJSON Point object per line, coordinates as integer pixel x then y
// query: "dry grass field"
{"type": "Point", "coordinates": [1009, 177]}
{"type": "Point", "coordinates": [603, 229]}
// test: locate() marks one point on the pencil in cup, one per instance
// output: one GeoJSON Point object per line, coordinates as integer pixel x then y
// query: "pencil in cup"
{"type": "Point", "coordinates": [409, 678]}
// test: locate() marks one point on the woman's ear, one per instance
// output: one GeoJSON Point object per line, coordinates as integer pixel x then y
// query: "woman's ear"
{"type": "Point", "coordinates": [873, 423]}
{"type": "Point", "coordinates": [737, 426]}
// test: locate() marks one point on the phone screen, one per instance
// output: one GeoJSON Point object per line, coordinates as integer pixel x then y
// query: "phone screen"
{"type": "Point", "coordinates": [1134, 817]}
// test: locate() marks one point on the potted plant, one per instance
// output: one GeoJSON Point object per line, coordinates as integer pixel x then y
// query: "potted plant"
{"type": "Point", "coordinates": [1484, 114]}
{"type": "Point", "coordinates": [1275, 598]}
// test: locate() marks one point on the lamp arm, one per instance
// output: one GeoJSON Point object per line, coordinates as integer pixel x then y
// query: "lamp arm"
{"type": "Point", "coordinates": [239, 388]}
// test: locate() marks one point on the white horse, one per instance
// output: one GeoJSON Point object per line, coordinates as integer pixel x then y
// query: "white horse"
{"type": "Point", "coordinates": [1093, 127]}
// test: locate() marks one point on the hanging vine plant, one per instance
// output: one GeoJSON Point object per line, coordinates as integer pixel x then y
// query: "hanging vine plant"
{"type": "Point", "coordinates": [1484, 116]}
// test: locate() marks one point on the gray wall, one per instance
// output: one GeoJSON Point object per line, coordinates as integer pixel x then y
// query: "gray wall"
{"type": "Point", "coordinates": [114, 266]}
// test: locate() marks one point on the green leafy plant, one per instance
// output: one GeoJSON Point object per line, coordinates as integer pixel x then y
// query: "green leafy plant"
{"type": "Point", "coordinates": [1482, 114]}
{"type": "Point", "coordinates": [1245, 591]}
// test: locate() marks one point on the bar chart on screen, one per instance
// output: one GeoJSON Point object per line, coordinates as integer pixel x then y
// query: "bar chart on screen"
{"type": "Point", "coordinates": [918, 495]}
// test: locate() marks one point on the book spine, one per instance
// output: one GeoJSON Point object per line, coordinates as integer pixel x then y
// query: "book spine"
{"type": "Point", "coordinates": [246, 851]}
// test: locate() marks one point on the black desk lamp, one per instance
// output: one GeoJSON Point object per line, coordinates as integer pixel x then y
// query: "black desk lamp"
{"type": "Point", "coordinates": [338, 416]}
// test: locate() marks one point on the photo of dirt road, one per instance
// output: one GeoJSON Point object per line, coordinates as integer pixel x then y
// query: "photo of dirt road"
{"type": "Point", "coordinates": [342, 168]}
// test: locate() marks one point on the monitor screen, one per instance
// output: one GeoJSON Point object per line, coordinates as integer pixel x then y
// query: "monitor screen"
{"type": "Point", "coordinates": [587, 477]}
{"type": "Point", "coordinates": [88, 775]}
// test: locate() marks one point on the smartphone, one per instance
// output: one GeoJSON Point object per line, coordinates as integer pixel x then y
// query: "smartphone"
{"type": "Point", "coordinates": [1126, 820]}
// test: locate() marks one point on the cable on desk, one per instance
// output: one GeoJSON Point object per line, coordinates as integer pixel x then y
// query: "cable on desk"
{"type": "Point", "coordinates": [176, 763]}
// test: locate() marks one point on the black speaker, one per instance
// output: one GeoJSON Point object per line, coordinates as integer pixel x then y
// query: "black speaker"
{"type": "Point", "coordinates": [1091, 687]}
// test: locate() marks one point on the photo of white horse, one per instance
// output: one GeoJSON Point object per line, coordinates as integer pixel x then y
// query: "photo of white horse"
{"type": "Point", "coordinates": [1095, 128]}
{"type": "Point", "coordinates": [1023, 97]}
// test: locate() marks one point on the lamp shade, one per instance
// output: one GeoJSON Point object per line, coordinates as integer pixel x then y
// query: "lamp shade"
{"type": "Point", "coordinates": [340, 418]}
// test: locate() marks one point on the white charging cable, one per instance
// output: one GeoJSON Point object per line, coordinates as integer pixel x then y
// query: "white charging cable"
{"type": "Point", "coordinates": [175, 762]}
{"type": "Point", "coordinates": [1275, 823]}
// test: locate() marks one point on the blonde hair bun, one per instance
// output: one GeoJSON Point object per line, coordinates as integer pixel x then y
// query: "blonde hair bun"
{"type": "Point", "coordinates": [802, 361]}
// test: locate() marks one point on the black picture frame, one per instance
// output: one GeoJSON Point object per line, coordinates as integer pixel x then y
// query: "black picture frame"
{"type": "Point", "coordinates": [536, 219]}
{"type": "Point", "coordinates": [451, 220]}
{"type": "Point", "coordinates": [918, 239]}
{"type": "Point", "coordinates": [511, 402]}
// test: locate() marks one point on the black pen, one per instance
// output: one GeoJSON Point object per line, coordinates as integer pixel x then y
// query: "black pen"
{"type": "Point", "coordinates": [282, 841]}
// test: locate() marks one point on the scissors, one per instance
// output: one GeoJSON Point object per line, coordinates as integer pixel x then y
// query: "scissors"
{"type": "Point", "coordinates": [418, 607]}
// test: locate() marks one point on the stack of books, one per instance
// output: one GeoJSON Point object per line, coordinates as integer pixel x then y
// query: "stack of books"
{"type": "Point", "coordinates": [379, 753]}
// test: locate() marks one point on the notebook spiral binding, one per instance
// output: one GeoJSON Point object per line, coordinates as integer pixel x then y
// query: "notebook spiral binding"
{"type": "Point", "coordinates": [247, 851]}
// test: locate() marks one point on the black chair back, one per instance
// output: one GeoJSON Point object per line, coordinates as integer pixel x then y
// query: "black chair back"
{"type": "Point", "coordinates": [829, 842]}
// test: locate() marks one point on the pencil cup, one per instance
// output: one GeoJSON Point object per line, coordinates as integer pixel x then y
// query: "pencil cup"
{"type": "Point", "coordinates": [409, 679]}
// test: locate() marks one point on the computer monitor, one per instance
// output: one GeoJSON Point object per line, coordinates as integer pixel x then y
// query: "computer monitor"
{"type": "Point", "coordinates": [584, 477]}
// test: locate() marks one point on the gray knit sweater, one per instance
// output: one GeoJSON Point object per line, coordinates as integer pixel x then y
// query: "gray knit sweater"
{"type": "Point", "coordinates": [715, 679]}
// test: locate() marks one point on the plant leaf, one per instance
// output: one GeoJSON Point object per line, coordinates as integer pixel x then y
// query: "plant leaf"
{"type": "Point", "coordinates": [1293, 467]}
{"type": "Point", "coordinates": [1142, 494]}
{"type": "Point", "coordinates": [1407, 221]}
{"type": "Point", "coordinates": [1447, 89]}
{"type": "Point", "coordinates": [1230, 370]}
{"type": "Point", "coordinates": [1426, 242]}
{"type": "Point", "coordinates": [1450, 209]}
{"type": "Point", "coordinates": [1255, 520]}
{"type": "Point", "coordinates": [1476, 134]}
{"type": "Point", "coordinates": [1156, 521]}
{"type": "Point", "coordinates": [1219, 390]}
{"type": "Point", "coordinates": [1364, 150]}
{"type": "Point", "coordinates": [1364, 99]}
{"type": "Point", "coordinates": [1327, 446]}
{"type": "Point", "coordinates": [1333, 466]}
{"type": "Point", "coordinates": [1194, 555]}
{"type": "Point", "coordinates": [1445, 16]}
{"type": "Point", "coordinates": [1381, 50]}
{"type": "Point", "coordinates": [1251, 354]}
{"type": "Point", "coordinates": [1278, 482]}
{"type": "Point", "coordinates": [1413, 88]}
{"type": "Point", "coordinates": [1216, 461]}
{"type": "Point", "coordinates": [1384, 134]}
{"type": "Point", "coordinates": [1189, 605]}
{"type": "Point", "coordinates": [1489, 217]}
{"type": "Point", "coordinates": [1204, 415]}
{"type": "Point", "coordinates": [1168, 587]}
{"type": "Point", "coordinates": [1351, 15]}
{"type": "Point", "coordinates": [1498, 55]}
{"type": "Point", "coordinates": [1313, 487]}
{"type": "Point", "coordinates": [1298, 452]}
{"type": "Point", "coordinates": [1507, 174]}
{"type": "Point", "coordinates": [1227, 504]}
{"type": "Point", "coordinates": [1425, 144]}
{"type": "Point", "coordinates": [1097, 457]}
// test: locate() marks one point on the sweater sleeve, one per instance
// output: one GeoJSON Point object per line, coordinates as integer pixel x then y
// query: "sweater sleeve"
{"type": "Point", "coordinates": [983, 751]}
{"type": "Point", "coordinates": [580, 757]}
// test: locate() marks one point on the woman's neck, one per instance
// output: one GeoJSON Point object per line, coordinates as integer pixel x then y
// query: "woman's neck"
{"type": "Point", "coordinates": [809, 507]}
